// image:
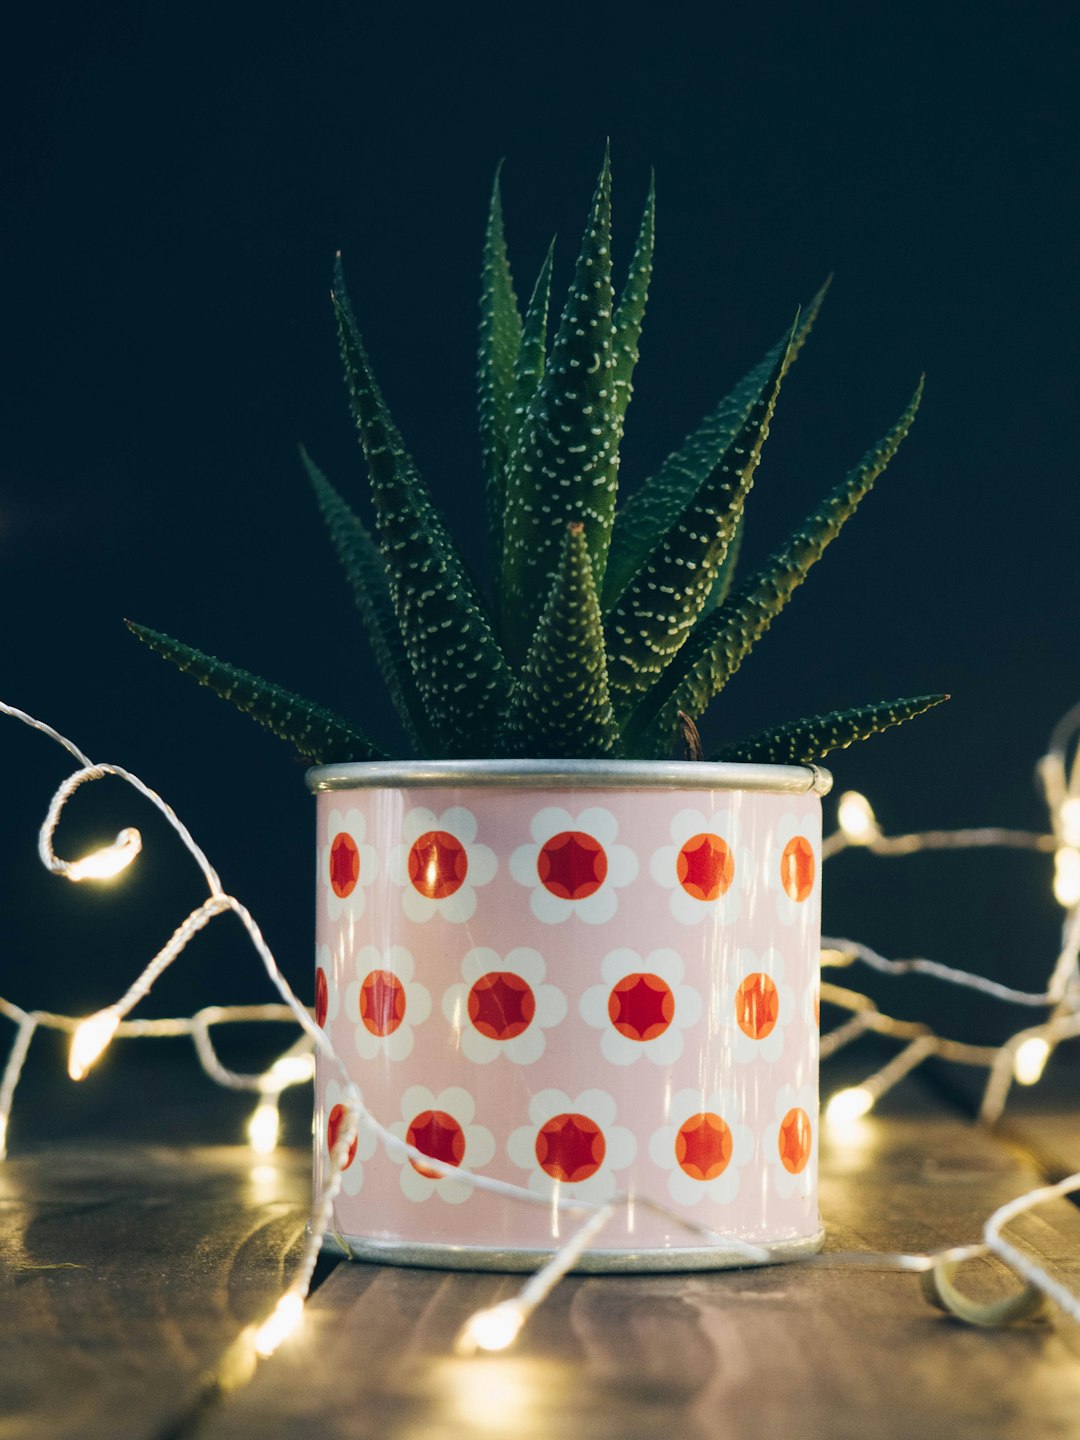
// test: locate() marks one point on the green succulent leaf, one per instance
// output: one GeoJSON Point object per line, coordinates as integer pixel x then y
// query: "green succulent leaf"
{"type": "Point", "coordinates": [560, 707]}
{"type": "Point", "coordinates": [630, 313]}
{"type": "Point", "coordinates": [721, 643]}
{"type": "Point", "coordinates": [656, 505]}
{"type": "Point", "coordinates": [500, 338]}
{"type": "Point", "coordinates": [804, 742]}
{"type": "Point", "coordinates": [532, 353]}
{"type": "Point", "coordinates": [456, 662]}
{"type": "Point", "coordinates": [560, 469]}
{"type": "Point", "coordinates": [366, 574]}
{"type": "Point", "coordinates": [658, 609]}
{"type": "Point", "coordinates": [318, 734]}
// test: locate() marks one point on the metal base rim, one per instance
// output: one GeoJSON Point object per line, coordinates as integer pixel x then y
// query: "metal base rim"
{"type": "Point", "coordinates": [592, 1262]}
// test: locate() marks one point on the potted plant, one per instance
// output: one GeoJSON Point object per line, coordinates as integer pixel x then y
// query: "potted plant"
{"type": "Point", "coordinates": [560, 956]}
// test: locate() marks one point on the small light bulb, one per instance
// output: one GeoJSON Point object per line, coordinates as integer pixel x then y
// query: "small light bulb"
{"type": "Point", "coordinates": [90, 1040]}
{"type": "Point", "coordinates": [291, 1070]}
{"type": "Point", "coordinates": [847, 1106]}
{"type": "Point", "coordinates": [1030, 1059]}
{"type": "Point", "coordinates": [1067, 876]}
{"type": "Point", "coordinates": [263, 1128]}
{"type": "Point", "coordinates": [1070, 821]}
{"type": "Point", "coordinates": [108, 862]}
{"type": "Point", "coordinates": [286, 1318]}
{"type": "Point", "coordinates": [493, 1329]}
{"type": "Point", "coordinates": [856, 819]}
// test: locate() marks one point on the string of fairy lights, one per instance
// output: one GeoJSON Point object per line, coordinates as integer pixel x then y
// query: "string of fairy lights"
{"type": "Point", "coordinates": [1023, 1056]}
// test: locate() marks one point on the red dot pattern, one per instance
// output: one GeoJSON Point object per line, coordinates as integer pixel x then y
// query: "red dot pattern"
{"type": "Point", "coordinates": [438, 864]}
{"type": "Point", "coordinates": [501, 1005]}
{"type": "Point", "coordinates": [344, 865]}
{"type": "Point", "coordinates": [757, 1006]}
{"type": "Point", "coordinates": [641, 1007]}
{"type": "Point", "coordinates": [439, 1135]}
{"type": "Point", "coordinates": [572, 865]}
{"type": "Point", "coordinates": [570, 1148]}
{"type": "Point", "coordinates": [703, 1146]}
{"type": "Point", "coordinates": [382, 1002]}
{"type": "Point", "coordinates": [705, 867]}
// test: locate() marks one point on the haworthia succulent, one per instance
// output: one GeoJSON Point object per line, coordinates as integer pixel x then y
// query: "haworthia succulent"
{"type": "Point", "coordinates": [560, 706]}
{"type": "Point", "coordinates": [366, 574]}
{"type": "Point", "coordinates": [654, 507]}
{"type": "Point", "coordinates": [804, 741]}
{"type": "Point", "coordinates": [657, 610]}
{"type": "Point", "coordinates": [559, 471]}
{"type": "Point", "coordinates": [456, 662]}
{"type": "Point", "coordinates": [629, 317]}
{"type": "Point", "coordinates": [318, 734]}
{"type": "Point", "coordinates": [721, 643]}
{"type": "Point", "coordinates": [532, 354]}
{"type": "Point", "coordinates": [500, 337]}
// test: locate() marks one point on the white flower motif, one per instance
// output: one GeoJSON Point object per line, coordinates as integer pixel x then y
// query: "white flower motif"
{"type": "Point", "coordinates": [440, 864]}
{"type": "Point", "coordinates": [503, 1008]}
{"type": "Point", "coordinates": [327, 1000]}
{"type": "Point", "coordinates": [573, 865]}
{"type": "Point", "coordinates": [572, 1141]}
{"type": "Point", "coordinates": [643, 1007]}
{"type": "Point", "coordinates": [789, 1144]}
{"type": "Point", "coordinates": [384, 1002]}
{"type": "Point", "coordinates": [792, 867]}
{"type": "Point", "coordinates": [757, 1006]}
{"type": "Point", "coordinates": [703, 1147]}
{"type": "Point", "coordinates": [330, 1119]}
{"type": "Point", "coordinates": [347, 866]}
{"type": "Point", "coordinates": [441, 1126]}
{"type": "Point", "coordinates": [706, 869]}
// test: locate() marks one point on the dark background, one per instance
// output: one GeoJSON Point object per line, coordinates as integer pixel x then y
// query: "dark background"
{"type": "Point", "coordinates": [175, 181]}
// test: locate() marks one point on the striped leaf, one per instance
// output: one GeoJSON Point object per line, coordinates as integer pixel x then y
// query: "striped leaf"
{"type": "Point", "coordinates": [456, 662]}
{"type": "Point", "coordinates": [721, 643]}
{"type": "Point", "coordinates": [366, 574]}
{"type": "Point", "coordinates": [500, 337]}
{"type": "Point", "coordinates": [560, 470]}
{"type": "Point", "coordinates": [659, 607]}
{"type": "Point", "coordinates": [654, 508]}
{"type": "Point", "coordinates": [560, 707]}
{"type": "Point", "coordinates": [318, 734]}
{"type": "Point", "coordinates": [804, 742]}
{"type": "Point", "coordinates": [532, 353]}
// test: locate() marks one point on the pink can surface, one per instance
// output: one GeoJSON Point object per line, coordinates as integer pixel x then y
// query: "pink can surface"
{"type": "Point", "coordinates": [584, 990]}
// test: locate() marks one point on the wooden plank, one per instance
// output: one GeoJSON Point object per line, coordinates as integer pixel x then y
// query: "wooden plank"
{"type": "Point", "coordinates": [825, 1350]}
{"type": "Point", "coordinates": [125, 1271]}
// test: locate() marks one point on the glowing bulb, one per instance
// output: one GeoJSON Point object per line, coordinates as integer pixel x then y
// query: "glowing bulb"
{"type": "Point", "coordinates": [837, 957]}
{"type": "Point", "coordinates": [291, 1070]}
{"type": "Point", "coordinates": [263, 1127]}
{"type": "Point", "coordinates": [104, 864]}
{"type": "Point", "coordinates": [90, 1040]}
{"type": "Point", "coordinates": [1030, 1059]}
{"type": "Point", "coordinates": [847, 1106]}
{"type": "Point", "coordinates": [857, 819]}
{"type": "Point", "coordinates": [1070, 821]}
{"type": "Point", "coordinates": [287, 1315]}
{"type": "Point", "coordinates": [494, 1329]}
{"type": "Point", "coordinates": [1067, 876]}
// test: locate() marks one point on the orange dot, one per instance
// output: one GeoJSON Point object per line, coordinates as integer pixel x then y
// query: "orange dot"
{"type": "Point", "coordinates": [570, 1148]}
{"type": "Point", "coordinates": [439, 1135]}
{"type": "Point", "coordinates": [501, 1005]}
{"type": "Point", "coordinates": [703, 1146]}
{"type": "Point", "coordinates": [382, 1002]}
{"type": "Point", "coordinates": [641, 1007]}
{"type": "Point", "coordinates": [322, 996]}
{"type": "Point", "coordinates": [797, 868]}
{"type": "Point", "coordinates": [438, 864]}
{"type": "Point", "coordinates": [334, 1122]}
{"type": "Point", "coordinates": [344, 865]}
{"type": "Point", "coordinates": [794, 1141]}
{"type": "Point", "coordinates": [705, 867]}
{"type": "Point", "coordinates": [757, 1006]}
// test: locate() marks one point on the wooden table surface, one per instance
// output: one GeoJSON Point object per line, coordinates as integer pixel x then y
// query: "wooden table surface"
{"type": "Point", "coordinates": [131, 1260]}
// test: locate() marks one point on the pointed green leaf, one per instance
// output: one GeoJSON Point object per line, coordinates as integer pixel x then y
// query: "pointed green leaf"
{"type": "Point", "coordinates": [366, 574]}
{"type": "Point", "coordinates": [721, 643]}
{"type": "Point", "coordinates": [659, 607]}
{"type": "Point", "coordinates": [559, 471]}
{"type": "Point", "coordinates": [559, 707]}
{"type": "Point", "coordinates": [630, 313]}
{"type": "Point", "coordinates": [532, 354]}
{"type": "Point", "coordinates": [318, 734]}
{"type": "Point", "coordinates": [804, 742]}
{"type": "Point", "coordinates": [456, 662]}
{"type": "Point", "coordinates": [500, 337]}
{"type": "Point", "coordinates": [654, 508]}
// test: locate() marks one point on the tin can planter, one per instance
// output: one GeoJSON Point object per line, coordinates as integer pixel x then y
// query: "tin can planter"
{"type": "Point", "coordinates": [587, 978]}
